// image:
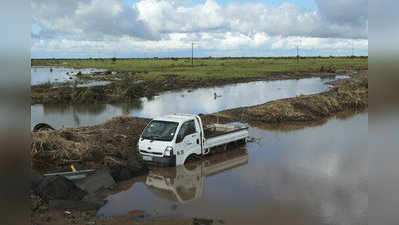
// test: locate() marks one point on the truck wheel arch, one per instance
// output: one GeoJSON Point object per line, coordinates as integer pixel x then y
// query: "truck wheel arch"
{"type": "Point", "coordinates": [189, 158]}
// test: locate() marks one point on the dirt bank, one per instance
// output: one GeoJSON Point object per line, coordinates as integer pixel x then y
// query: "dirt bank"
{"type": "Point", "coordinates": [62, 217]}
{"type": "Point", "coordinates": [130, 89]}
{"type": "Point", "coordinates": [345, 95]}
{"type": "Point", "coordinates": [110, 143]}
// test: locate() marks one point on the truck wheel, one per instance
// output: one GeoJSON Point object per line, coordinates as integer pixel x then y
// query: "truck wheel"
{"type": "Point", "coordinates": [242, 141]}
{"type": "Point", "coordinates": [190, 158]}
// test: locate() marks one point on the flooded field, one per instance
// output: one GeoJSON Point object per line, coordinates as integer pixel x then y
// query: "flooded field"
{"type": "Point", "coordinates": [317, 175]}
{"type": "Point", "coordinates": [41, 75]}
{"type": "Point", "coordinates": [204, 100]}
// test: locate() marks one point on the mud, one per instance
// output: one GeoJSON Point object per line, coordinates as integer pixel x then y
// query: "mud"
{"type": "Point", "coordinates": [128, 90]}
{"type": "Point", "coordinates": [345, 95]}
{"type": "Point", "coordinates": [109, 144]}
{"type": "Point", "coordinates": [67, 217]}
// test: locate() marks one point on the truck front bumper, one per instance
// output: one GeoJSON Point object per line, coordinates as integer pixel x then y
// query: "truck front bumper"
{"type": "Point", "coordinates": [159, 161]}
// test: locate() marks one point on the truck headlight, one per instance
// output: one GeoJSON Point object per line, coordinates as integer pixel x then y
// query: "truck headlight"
{"type": "Point", "coordinates": [168, 151]}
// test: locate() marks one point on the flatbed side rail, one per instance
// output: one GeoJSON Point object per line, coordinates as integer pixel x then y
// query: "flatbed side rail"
{"type": "Point", "coordinates": [229, 132]}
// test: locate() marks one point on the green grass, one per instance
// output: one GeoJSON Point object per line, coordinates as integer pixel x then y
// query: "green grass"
{"type": "Point", "coordinates": [208, 68]}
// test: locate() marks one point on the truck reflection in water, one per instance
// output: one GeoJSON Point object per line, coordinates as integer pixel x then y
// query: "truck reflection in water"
{"type": "Point", "coordinates": [164, 189]}
{"type": "Point", "coordinates": [185, 183]}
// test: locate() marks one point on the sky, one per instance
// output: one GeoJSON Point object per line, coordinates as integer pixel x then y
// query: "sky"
{"type": "Point", "coordinates": [218, 28]}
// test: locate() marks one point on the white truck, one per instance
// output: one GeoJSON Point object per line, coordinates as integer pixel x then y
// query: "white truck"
{"type": "Point", "coordinates": [170, 140]}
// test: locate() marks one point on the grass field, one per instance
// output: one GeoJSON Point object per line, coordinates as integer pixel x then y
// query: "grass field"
{"type": "Point", "coordinates": [209, 68]}
{"type": "Point", "coordinates": [131, 79]}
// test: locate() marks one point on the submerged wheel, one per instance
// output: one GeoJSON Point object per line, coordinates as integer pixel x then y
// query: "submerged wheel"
{"type": "Point", "coordinates": [191, 158]}
{"type": "Point", "coordinates": [242, 141]}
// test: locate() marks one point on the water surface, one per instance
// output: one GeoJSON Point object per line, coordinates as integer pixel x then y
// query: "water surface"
{"type": "Point", "coordinates": [40, 75]}
{"type": "Point", "coordinates": [317, 175]}
{"type": "Point", "coordinates": [203, 100]}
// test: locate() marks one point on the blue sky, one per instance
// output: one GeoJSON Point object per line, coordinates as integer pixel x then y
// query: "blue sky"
{"type": "Point", "coordinates": [148, 28]}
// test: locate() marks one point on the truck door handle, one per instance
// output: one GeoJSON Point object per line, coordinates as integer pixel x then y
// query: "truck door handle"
{"type": "Point", "coordinates": [197, 141]}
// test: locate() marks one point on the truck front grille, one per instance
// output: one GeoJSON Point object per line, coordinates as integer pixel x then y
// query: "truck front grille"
{"type": "Point", "coordinates": [153, 153]}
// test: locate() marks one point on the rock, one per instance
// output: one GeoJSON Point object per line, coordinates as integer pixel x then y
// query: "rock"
{"type": "Point", "coordinates": [35, 180]}
{"type": "Point", "coordinates": [199, 221]}
{"type": "Point", "coordinates": [36, 202]}
{"type": "Point", "coordinates": [91, 184]}
{"type": "Point", "coordinates": [121, 173]}
{"type": "Point", "coordinates": [58, 187]}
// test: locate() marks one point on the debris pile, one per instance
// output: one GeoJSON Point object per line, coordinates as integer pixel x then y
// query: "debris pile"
{"type": "Point", "coordinates": [346, 95]}
{"type": "Point", "coordinates": [108, 144]}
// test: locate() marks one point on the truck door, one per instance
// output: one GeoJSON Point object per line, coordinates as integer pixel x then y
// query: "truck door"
{"type": "Point", "coordinates": [187, 141]}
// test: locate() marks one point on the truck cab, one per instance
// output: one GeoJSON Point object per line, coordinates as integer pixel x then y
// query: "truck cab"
{"type": "Point", "coordinates": [169, 140]}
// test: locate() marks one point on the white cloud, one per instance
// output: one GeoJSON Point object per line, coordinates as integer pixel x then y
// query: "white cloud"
{"type": "Point", "coordinates": [93, 19]}
{"type": "Point", "coordinates": [161, 26]}
{"type": "Point", "coordinates": [250, 18]}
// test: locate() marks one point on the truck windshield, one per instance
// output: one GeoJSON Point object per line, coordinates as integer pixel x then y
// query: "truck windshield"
{"type": "Point", "coordinates": [160, 130]}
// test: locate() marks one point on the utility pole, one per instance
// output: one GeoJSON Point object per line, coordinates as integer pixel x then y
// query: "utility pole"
{"type": "Point", "coordinates": [353, 49]}
{"type": "Point", "coordinates": [192, 54]}
{"type": "Point", "coordinates": [297, 50]}
{"type": "Point", "coordinates": [297, 54]}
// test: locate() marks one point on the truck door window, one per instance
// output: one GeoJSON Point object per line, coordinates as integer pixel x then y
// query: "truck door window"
{"type": "Point", "coordinates": [186, 129]}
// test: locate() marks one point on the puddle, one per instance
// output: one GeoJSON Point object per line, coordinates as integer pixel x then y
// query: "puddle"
{"type": "Point", "coordinates": [317, 175]}
{"type": "Point", "coordinates": [203, 100]}
{"type": "Point", "coordinates": [40, 75]}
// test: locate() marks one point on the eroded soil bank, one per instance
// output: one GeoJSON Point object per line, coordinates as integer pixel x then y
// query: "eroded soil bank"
{"type": "Point", "coordinates": [113, 143]}
{"type": "Point", "coordinates": [131, 89]}
{"type": "Point", "coordinates": [346, 94]}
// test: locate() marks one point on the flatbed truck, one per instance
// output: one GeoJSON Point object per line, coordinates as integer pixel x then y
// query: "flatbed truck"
{"type": "Point", "coordinates": [172, 139]}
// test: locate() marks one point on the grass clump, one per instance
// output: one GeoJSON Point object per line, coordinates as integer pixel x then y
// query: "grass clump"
{"type": "Point", "coordinates": [88, 95]}
{"type": "Point", "coordinates": [128, 91]}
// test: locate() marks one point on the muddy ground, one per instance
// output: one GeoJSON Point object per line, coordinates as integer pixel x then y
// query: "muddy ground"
{"type": "Point", "coordinates": [345, 95]}
{"type": "Point", "coordinates": [113, 143]}
{"type": "Point", "coordinates": [130, 90]}
{"type": "Point", "coordinates": [135, 217]}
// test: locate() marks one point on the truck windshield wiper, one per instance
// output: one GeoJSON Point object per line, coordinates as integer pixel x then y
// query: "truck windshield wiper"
{"type": "Point", "coordinates": [152, 137]}
{"type": "Point", "coordinates": [147, 137]}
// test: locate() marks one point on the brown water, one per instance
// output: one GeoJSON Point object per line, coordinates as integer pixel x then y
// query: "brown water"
{"type": "Point", "coordinates": [203, 100]}
{"type": "Point", "coordinates": [317, 175]}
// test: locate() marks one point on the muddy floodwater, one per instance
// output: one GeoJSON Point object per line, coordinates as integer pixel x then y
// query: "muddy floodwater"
{"type": "Point", "coordinates": [40, 75]}
{"type": "Point", "coordinates": [317, 175]}
{"type": "Point", "coordinates": [203, 100]}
